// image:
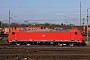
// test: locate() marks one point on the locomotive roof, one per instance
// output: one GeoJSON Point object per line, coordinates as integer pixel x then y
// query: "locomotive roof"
{"type": "Point", "coordinates": [43, 30]}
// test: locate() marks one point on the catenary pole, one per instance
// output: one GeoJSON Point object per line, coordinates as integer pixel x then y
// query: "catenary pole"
{"type": "Point", "coordinates": [87, 29]}
{"type": "Point", "coordinates": [9, 21]}
{"type": "Point", "coordinates": [80, 14]}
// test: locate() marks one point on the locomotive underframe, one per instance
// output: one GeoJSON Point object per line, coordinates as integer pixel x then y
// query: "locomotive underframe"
{"type": "Point", "coordinates": [63, 42]}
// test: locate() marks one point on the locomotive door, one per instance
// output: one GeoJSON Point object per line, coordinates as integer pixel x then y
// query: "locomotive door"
{"type": "Point", "coordinates": [72, 35]}
{"type": "Point", "coordinates": [13, 35]}
{"type": "Point", "coordinates": [16, 35]}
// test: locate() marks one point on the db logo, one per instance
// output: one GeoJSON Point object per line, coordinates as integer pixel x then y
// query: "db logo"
{"type": "Point", "coordinates": [43, 35]}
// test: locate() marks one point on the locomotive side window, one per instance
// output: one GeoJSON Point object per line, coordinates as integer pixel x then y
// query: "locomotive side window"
{"type": "Point", "coordinates": [13, 33]}
{"type": "Point", "coordinates": [76, 33]}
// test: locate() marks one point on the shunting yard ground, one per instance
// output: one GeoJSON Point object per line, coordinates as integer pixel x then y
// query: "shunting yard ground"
{"type": "Point", "coordinates": [43, 52]}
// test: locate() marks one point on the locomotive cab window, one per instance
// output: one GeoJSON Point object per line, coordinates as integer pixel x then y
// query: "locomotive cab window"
{"type": "Point", "coordinates": [13, 33]}
{"type": "Point", "coordinates": [76, 33]}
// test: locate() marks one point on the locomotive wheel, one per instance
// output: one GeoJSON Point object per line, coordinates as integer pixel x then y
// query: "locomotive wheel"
{"type": "Point", "coordinates": [28, 44]}
{"type": "Point", "coordinates": [17, 44]}
{"type": "Point", "coordinates": [60, 44]}
{"type": "Point", "coordinates": [71, 44]}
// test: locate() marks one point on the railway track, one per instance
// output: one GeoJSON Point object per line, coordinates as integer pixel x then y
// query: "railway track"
{"type": "Point", "coordinates": [47, 52]}
{"type": "Point", "coordinates": [44, 57]}
{"type": "Point", "coordinates": [47, 55]}
{"type": "Point", "coordinates": [40, 45]}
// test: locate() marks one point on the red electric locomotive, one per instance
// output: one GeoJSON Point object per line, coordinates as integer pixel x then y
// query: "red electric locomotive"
{"type": "Point", "coordinates": [59, 36]}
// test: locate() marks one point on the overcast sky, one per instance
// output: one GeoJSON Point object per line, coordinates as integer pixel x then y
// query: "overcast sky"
{"type": "Point", "coordinates": [43, 11]}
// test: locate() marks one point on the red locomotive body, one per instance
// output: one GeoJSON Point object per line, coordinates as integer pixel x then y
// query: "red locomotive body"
{"type": "Point", "coordinates": [71, 36]}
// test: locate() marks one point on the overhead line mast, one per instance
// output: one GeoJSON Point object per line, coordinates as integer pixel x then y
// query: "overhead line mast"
{"type": "Point", "coordinates": [87, 29]}
{"type": "Point", "coordinates": [9, 21]}
{"type": "Point", "coordinates": [80, 14]}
